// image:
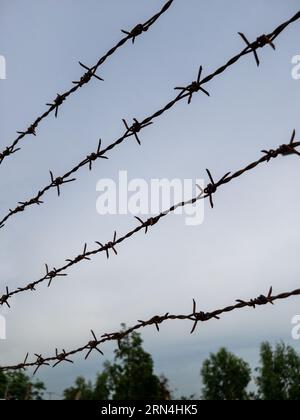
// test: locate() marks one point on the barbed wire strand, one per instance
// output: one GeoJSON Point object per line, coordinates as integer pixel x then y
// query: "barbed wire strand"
{"type": "Point", "coordinates": [208, 192]}
{"type": "Point", "coordinates": [134, 130]}
{"type": "Point", "coordinates": [89, 74]}
{"type": "Point", "coordinates": [195, 317]}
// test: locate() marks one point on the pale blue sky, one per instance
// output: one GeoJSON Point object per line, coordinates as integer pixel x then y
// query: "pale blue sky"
{"type": "Point", "coordinates": [246, 244]}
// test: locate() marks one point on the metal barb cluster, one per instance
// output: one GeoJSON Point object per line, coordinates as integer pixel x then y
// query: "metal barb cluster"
{"type": "Point", "coordinates": [95, 155]}
{"type": "Point", "coordinates": [136, 31]}
{"type": "Point", "coordinates": [50, 275]}
{"type": "Point", "coordinates": [57, 182]}
{"type": "Point", "coordinates": [195, 317]}
{"type": "Point", "coordinates": [93, 345]}
{"type": "Point", "coordinates": [143, 27]}
{"type": "Point", "coordinates": [207, 192]}
{"type": "Point", "coordinates": [212, 186]}
{"type": "Point", "coordinates": [61, 357]}
{"type": "Point", "coordinates": [135, 128]}
{"type": "Point", "coordinates": [108, 246]}
{"type": "Point", "coordinates": [4, 298]}
{"type": "Point", "coordinates": [284, 150]}
{"type": "Point", "coordinates": [88, 75]}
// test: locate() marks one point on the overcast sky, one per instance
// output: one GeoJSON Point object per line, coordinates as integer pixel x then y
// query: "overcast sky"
{"type": "Point", "coordinates": [246, 244]}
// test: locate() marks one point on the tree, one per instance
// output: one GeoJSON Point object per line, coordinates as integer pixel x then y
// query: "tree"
{"type": "Point", "coordinates": [225, 377]}
{"type": "Point", "coordinates": [18, 386]}
{"type": "Point", "coordinates": [129, 377]}
{"type": "Point", "coordinates": [279, 373]}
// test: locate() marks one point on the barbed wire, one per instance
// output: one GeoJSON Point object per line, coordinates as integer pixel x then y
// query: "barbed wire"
{"type": "Point", "coordinates": [137, 127]}
{"type": "Point", "coordinates": [89, 74]}
{"type": "Point", "coordinates": [195, 317]}
{"type": "Point", "coordinates": [207, 192]}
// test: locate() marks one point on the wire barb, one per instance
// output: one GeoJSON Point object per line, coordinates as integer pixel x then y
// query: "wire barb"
{"type": "Point", "coordinates": [30, 130]}
{"type": "Point", "coordinates": [50, 275]}
{"type": "Point", "coordinates": [261, 42]}
{"type": "Point", "coordinates": [40, 361]}
{"type": "Point", "coordinates": [212, 186]}
{"type": "Point", "coordinates": [93, 345]}
{"type": "Point", "coordinates": [87, 76]}
{"type": "Point", "coordinates": [6, 152]}
{"type": "Point", "coordinates": [58, 101]}
{"type": "Point", "coordinates": [111, 245]}
{"type": "Point", "coordinates": [80, 257]}
{"type": "Point", "coordinates": [94, 156]}
{"type": "Point", "coordinates": [135, 32]}
{"type": "Point", "coordinates": [61, 357]}
{"type": "Point", "coordinates": [4, 298]}
{"type": "Point", "coordinates": [150, 222]}
{"type": "Point", "coordinates": [57, 182]}
{"type": "Point", "coordinates": [284, 149]}
{"type": "Point", "coordinates": [137, 126]}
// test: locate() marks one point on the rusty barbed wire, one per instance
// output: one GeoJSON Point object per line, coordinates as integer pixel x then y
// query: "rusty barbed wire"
{"type": "Point", "coordinates": [137, 127]}
{"type": "Point", "coordinates": [207, 192]}
{"type": "Point", "coordinates": [195, 317]}
{"type": "Point", "coordinates": [90, 73]}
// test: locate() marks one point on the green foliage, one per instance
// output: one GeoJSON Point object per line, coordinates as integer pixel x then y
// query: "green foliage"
{"type": "Point", "coordinates": [18, 386]}
{"type": "Point", "coordinates": [165, 392]}
{"type": "Point", "coordinates": [129, 377]}
{"type": "Point", "coordinates": [279, 374]}
{"type": "Point", "coordinates": [225, 377]}
{"type": "Point", "coordinates": [132, 376]}
{"type": "Point", "coordinates": [82, 390]}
